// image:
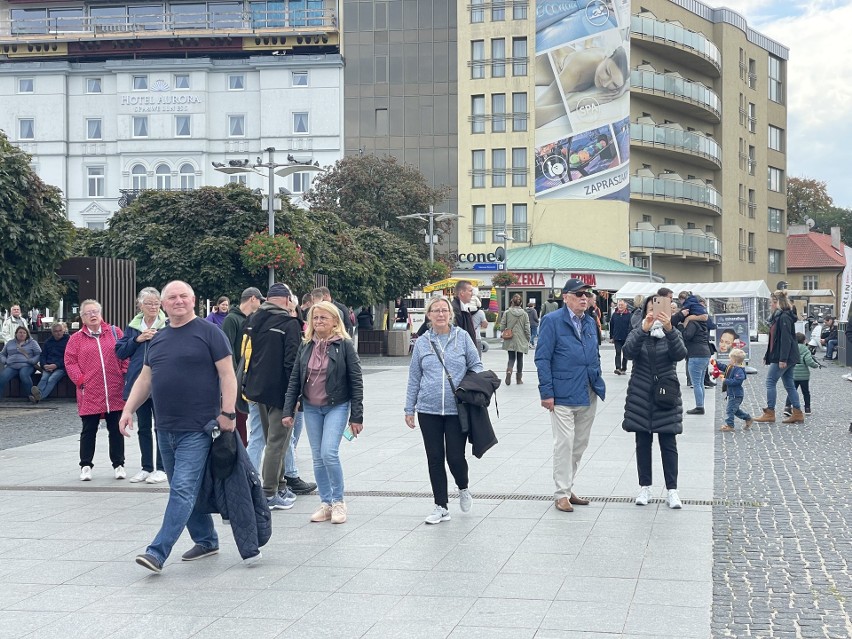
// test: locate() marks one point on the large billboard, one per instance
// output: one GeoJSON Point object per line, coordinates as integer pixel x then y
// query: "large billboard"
{"type": "Point", "coordinates": [582, 99]}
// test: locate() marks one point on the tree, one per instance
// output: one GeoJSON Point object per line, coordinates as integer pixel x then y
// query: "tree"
{"type": "Point", "coordinates": [806, 198]}
{"type": "Point", "coordinates": [36, 233]}
{"type": "Point", "coordinates": [371, 191]}
{"type": "Point", "coordinates": [834, 216]}
{"type": "Point", "coordinates": [395, 270]}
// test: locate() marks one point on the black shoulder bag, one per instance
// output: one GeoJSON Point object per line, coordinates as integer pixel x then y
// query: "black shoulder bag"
{"type": "Point", "coordinates": [665, 391]}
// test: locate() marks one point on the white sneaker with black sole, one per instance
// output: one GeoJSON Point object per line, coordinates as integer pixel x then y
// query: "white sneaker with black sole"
{"type": "Point", "coordinates": [438, 515]}
{"type": "Point", "coordinates": [644, 496]}
{"type": "Point", "coordinates": [673, 500]}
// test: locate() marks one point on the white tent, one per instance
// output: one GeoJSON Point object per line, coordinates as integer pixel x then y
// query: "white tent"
{"type": "Point", "coordinates": [707, 290]}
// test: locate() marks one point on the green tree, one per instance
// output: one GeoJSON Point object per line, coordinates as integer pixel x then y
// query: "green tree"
{"type": "Point", "coordinates": [834, 216]}
{"type": "Point", "coordinates": [395, 270]}
{"type": "Point", "coordinates": [806, 198]}
{"type": "Point", "coordinates": [36, 233]}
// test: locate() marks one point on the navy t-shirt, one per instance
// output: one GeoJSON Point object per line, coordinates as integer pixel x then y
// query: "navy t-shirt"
{"type": "Point", "coordinates": [184, 379]}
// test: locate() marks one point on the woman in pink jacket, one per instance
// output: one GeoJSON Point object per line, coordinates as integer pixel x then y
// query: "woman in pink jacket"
{"type": "Point", "coordinates": [98, 374]}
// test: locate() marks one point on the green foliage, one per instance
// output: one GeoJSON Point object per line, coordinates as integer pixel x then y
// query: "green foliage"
{"type": "Point", "coordinates": [504, 279]}
{"type": "Point", "coordinates": [261, 250]}
{"type": "Point", "coordinates": [36, 233]}
{"type": "Point", "coordinates": [437, 271]}
{"type": "Point", "coordinates": [394, 269]}
{"type": "Point", "coordinates": [491, 316]}
{"type": "Point", "coordinates": [835, 216]}
{"type": "Point", "coordinates": [90, 243]}
{"type": "Point", "coordinates": [806, 198]}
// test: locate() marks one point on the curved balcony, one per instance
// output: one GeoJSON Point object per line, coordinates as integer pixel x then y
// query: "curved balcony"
{"type": "Point", "coordinates": [697, 149]}
{"type": "Point", "coordinates": [676, 194]}
{"type": "Point", "coordinates": [698, 99]}
{"type": "Point", "coordinates": [674, 42]}
{"type": "Point", "coordinates": [686, 245]}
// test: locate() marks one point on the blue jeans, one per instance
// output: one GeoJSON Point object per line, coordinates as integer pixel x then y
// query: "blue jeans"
{"type": "Point", "coordinates": [256, 438]}
{"type": "Point", "coordinates": [291, 469]}
{"type": "Point", "coordinates": [830, 346]}
{"type": "Point", "coordinates": [533, 334]}
{"type": "Point", "coordinates": [25, 374]}
{"type": "Point", "coordinates": [733, 410]}
{"type": "Point", "coordinates": [325, 426]}
{"type": "Point", "coordinates": [697, 367]}
{"type": "Point", "coordinates": [185, 457]}
{"type": "Point", "coordinates": [49, 380]}
{"type": "Point", "coordinates": [786, 375]}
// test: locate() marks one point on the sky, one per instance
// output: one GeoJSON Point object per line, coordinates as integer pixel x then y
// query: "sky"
{"type": "Point", "coordinates": [818, 34]}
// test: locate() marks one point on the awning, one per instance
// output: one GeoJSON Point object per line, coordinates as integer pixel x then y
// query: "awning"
{"type": "Point", "coordinates": [817, 292]}
{"type": "Point", "coordinates": [707, 290]}
{"type": "Point", "coordinates": [450, 282]}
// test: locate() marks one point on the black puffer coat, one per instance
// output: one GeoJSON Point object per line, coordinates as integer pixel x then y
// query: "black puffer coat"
{"type": "Point", "coordinates": [696, 339]}
{"type": "Point", "coordinates": [782, 339]}
{"type": "Point", "coordinates": [640, 414]}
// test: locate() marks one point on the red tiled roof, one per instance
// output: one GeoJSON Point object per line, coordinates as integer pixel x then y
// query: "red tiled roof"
{"type": "Point", "coordinates": [814, 250]}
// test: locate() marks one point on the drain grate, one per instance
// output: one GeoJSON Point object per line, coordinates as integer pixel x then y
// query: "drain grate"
{"type": "Point", "coordinates": [392, 493]}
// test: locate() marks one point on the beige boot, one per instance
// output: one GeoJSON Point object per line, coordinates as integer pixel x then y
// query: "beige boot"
{"type": "Point", "coordinates": [508, 377]}
{"type": "Point", "coordinates": [768, 416]}
{"type": "Point", "coordinates": [796, 417]}
{"type": "Point", "coordinates": [519, 378]}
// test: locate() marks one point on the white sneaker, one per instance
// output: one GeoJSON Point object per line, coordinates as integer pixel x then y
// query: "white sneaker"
{"type": "Point", "coordinates": [848, 377]}
{"type": "Point", "coordinates": [465, 500]}
{"type": "Point", "coordinates": [120, 473]}
{"type": "Point", "coordinates": [141, 476]}
{"type": "Point", "coordinates": [157, 477]}
{"type": "Point", "coordinates": [438, 515]}
{"type": "Point", "coordinates": [644, 496]}
{"type": "Point", "coordinates": [86, 473]}
{"type": "Point", "coordinates": [673, 500]}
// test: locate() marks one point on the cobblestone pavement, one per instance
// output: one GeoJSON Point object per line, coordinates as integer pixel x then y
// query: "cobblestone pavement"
{"type": "Point", "coordinates": [21, 423]}
{"type": "Point", "coordinates": [782, 568]}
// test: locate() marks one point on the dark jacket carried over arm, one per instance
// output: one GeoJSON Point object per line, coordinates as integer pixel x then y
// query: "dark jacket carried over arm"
{"type": "Point", "coordinates": [474, 396]}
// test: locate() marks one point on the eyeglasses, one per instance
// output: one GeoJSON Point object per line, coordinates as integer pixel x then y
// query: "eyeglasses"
{"type": "Point", "coordinates": [440, 311]}
{"type": "Point", "coordinates": [150, 304]}
{"type": "Point", "coordinates": [90, 313]}
{"type": "Point", "coordinates": [582, 294]}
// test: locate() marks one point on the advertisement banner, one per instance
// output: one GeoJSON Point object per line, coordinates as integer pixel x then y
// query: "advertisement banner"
{"type": "Point", "coordinates": [846, 287]}
{"type": "Point", "coordinates": [731, 333]}
{"type": "Point", "coordinates": [582, 100]}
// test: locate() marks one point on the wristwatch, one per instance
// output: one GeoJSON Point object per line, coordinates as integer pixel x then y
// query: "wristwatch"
{"type": "Point", "coordinates": [228, 415]}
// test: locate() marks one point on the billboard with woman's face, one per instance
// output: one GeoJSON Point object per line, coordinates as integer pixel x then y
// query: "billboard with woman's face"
{"type": "Point", "coordinates": [731, 332]}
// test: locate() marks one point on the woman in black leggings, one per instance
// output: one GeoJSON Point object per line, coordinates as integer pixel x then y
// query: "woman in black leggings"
{"type": "Point", "coordinates": [516, 320]}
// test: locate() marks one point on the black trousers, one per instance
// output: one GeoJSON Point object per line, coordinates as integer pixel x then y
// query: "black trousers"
{"type": "Point", "coordinates": [668, 453]}
{"type": "Point", "coordinates": [620, 357]}
{"type": "Point", "coordinates": [444, 441]}
{"type": "Point", "coordinates": [511, 363]}
{"type": "Point", "coordinates": [805, 385]}
{"type": "Point", "coordinates": [90, 434]}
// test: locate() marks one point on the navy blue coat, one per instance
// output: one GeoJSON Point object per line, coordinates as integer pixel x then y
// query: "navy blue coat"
{"type": "Point", "coordinates": [53, 351]}
{"type": "Point", "coordinates": [619, 326]}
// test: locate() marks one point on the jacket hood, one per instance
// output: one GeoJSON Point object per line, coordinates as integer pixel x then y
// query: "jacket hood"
{"type": "Point", "coordinates": [136, 322]}
{"type": "Point", "coordinates": [236, 310]}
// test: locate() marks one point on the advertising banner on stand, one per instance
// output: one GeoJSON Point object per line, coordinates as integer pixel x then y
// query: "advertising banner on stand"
{"type": "Point", "coordinates": [846, 287]}
{"type": "Point", "coordinates": [582, 100]}
{"type": "Point", "coordinates": [731, 333]}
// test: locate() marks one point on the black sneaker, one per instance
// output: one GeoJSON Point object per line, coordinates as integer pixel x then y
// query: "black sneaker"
{"type": "Point", "coordinates": [787, 411]}
{"type": "Point", "coordinates": [300, 486]}
{"type": "Point", "coordinates": [695, 411]}
{"type": "Point", "coordinates": [150, 562]}
{"type": "Point", "coordinates": [198, 552]}
{"type": "Point", "coordinates": [807, 410]}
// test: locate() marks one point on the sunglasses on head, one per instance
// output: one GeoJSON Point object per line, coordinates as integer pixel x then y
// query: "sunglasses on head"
{"type": "Point", "coordinates": [582, 294]}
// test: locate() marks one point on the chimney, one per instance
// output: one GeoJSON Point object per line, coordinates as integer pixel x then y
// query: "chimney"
{"type": "Point", "coordinates": [797, 229]}
{"type": "Point", "coordinates": [835, 237]}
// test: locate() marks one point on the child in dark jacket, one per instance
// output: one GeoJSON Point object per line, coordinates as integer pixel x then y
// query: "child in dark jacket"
{"type": "Point", "coordinates": [802, 374]}
{"type": "Point", "coordinates": [735, 376]}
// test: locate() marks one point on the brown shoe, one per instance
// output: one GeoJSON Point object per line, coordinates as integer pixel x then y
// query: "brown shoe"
{"type": "Point", "coordinates": [768, 417]}
{"type": "Point", "coordinates": [508, 377]}
{"type": "Point", "coordinates": [727, 429]}
{"type": "Point", "coordinates": [748, 423]}
{"type": "Point", "coordinates": [519, 378]}
{"type": "Point", "coordinates": [564, 504]}
{"type": "Point", "coordinates": [323, 513]}
{"type": "Point", "coordinates": [797, 417]}
{"type": "Point", "coordinates": [578, 501]}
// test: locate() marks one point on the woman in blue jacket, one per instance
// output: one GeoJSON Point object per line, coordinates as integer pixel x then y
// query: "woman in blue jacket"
{"type": "Point", "coordinates": [20, 355]}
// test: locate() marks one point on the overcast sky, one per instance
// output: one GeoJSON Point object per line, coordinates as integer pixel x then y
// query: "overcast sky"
{"type": "Point", "coordinates": [819, 84]}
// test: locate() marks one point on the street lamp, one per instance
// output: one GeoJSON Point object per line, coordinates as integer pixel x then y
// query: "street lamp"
{"type": "Point", "coordinates": [284, 170]}
{"type": "Point", "coordinates": [506, 239]}
{"type": "Point", "coordinates": [431, 216]}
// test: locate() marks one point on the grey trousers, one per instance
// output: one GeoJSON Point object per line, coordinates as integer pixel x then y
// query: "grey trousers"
{"type": "Point", "coordinates": [277, 442]}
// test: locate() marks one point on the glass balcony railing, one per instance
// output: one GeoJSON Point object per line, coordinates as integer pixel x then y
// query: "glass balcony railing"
{"type": "Point", "coordinates": [678, 88]}
{"type": "Point", "coordinates": [705, 246]}
{"type": "Point", "coordinates": [678, 35]}
{"type": "Point", "coordinates": [677, 139]}
{"type": "Point", "coordinates": [677, 190]}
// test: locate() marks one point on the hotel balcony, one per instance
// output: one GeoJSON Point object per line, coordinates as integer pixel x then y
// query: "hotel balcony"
{"type": "Point", "coordinates": [690, 244]}
{"type": "Point", "coordinates": [694, 98]}
{"type": "Point", "coordinates": [673, 192]}
{"type": "Point", "coordinates": [672, 41]}
{"type": "Point", "coordinates": [670, 140]}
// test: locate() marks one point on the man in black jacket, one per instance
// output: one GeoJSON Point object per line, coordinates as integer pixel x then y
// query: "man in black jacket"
{"type": "Point", "coordinates": [463, 317]}
{"type": "Point", "coordinates": [275, 334]}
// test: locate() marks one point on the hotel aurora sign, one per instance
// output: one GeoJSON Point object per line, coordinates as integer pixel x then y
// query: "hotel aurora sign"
{"type": "Point", "coordinates": [159, 99]}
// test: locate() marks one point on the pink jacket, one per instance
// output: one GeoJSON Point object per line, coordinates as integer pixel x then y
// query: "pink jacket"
{"type": "Point", "coordinates": [98, 374]}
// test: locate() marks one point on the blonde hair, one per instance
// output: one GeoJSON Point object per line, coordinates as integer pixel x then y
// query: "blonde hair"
{"type": "Point", "coordinates": [440, 298]}
{"type": "Point", "coordinates": [783, 302]}
{"type": "Point", "coordinates": [338, 329]}
{"type": "Point", "coordinates": [737, 356]}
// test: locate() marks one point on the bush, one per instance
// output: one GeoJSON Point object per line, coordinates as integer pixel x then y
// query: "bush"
{"type": "Point", "coordinates": [491, 316]}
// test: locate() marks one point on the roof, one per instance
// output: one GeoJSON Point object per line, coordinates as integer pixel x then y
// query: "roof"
{"type": "Point", "coordinates": [814, 251]}
{"type": "Point", "coordinates": [707, 290]}
{"type": "Point", "coordinates": [561, 258]}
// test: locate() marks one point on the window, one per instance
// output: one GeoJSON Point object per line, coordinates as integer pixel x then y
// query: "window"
{"type": "Point", "coordinates": [519, 112]}
{"type": "Point", "coordinates": [477, 59]}
{"type": "Point", "coordinates": [776, 220]}
{"type": "Point", "coordinates": [776, 179]}
{"type": "Point", "coordinates": [752, 252]}
{"type": "Point", "coordinates": [477, 13]}
{"type": "Point", "coordinates": [140, 82]}
{"type": "Point", "coordinates": [752, 117]}
{"type": "Point", "coordinates": [181, 81]}
{"type": "Point", "coordinates": [498, 168]}
{"type": "Point", "coordinates": [478, 225]}
{"type": "Point", "coordinates": [498, 113]}
{"type": "Point", "coordinates": [236, 126]}
{"type": "Point", "coordinates": [519, 10]}
{"type": "Point", "coordinates": [183, 126]}
{"type": "Point", "coordinates": [776, 84]}
{"type": "Point", "coordinates": [477, 110]}
{"type": "Point", "coordinates": [752, 73]}
{"type": "Point", "coordinates": [93, 85]}
{"type": "Point", "coordinates": [236, 82]}
{"type": "Point", "coordinates": [498, 58]}
{"type": "Point", "coordinates": [498, 12]}
{"type": "Point", "coordinates": [96, 226]}
{"type": "Point", "coordinates": [25, 85]}
{"type": "Point", "coordinates": [775, 257]}
{"type": "Point", "coordinates": [669, 221]}
{"type": "Point", "coordinates": [300, 78]}
{"type": "Point", "coordinates": [95, 181]}
{"type": "Point", "coordinates": [93, 129]}
{"type": "Point", "coordinates": [187, 177]}
{"type": "Point", "coordinates": [478, 169]}
{"type": "Point", "coordinates": [164, 177]}
{"type": "Point", "coordinates": [519, 166]}
{"type": "Point", "coordinates": [301, 182]}
{"type": "Point", "coordinates": [742, 110]}
{"type": "Point", "coordinates": [519, 56]}
{"type": "Point", "coordinates": [810, 282]}
{"type": "Point", "coordinates": [519, 222]}
{"type": "Point", "coordinates": [138, 177]}
{"type": "Point", "coordinates": [776, 138]}
{"type": "Point", "coordinates": [498, 222]}
{"type": "Point", "coordinates": [300, 122]}
{"type": "Point", "coordinates": [742, 245]}
{"type": "Point", "coordinates": [752, 159]}
{"type": "Point", "coordinates": [26, 129]}
{"type": "Point", "coordinates": [752, 203]}
{"type": "Point", "coordinates": [140, 126]}
{"type": "Point", "coordinates": [237, 179]}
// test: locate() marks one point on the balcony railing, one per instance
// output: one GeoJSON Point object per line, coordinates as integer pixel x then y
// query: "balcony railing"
{"type": "Point", "coordinates": [677, 88]}
{"type": "Point", "coordinates": [677, 35]}
{"type": "Point", "coordinates": [677, 139]}
{"type": "Point", "coordinates": [705, 246]}
{"type": "Point", "coordinates": [677, 190]}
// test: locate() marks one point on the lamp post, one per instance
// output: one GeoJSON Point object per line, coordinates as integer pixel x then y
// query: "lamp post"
{"type": "Point", "coordinates": [273, 168]}
{"type": "Point", "coordinates": [506, 238]}
{"type": "Point", "coordinates": [431, 216]}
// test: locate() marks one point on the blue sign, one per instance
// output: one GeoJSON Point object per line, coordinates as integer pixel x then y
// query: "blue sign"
{"type": "Point", "coordinates": [485, 267]}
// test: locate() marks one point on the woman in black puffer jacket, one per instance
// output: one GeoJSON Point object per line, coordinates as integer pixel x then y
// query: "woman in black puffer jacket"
{"type": "Point", "coordinates": [655, 338]}
{"type": "Point", "coordinates": [782, 355]}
